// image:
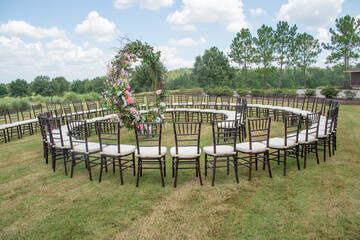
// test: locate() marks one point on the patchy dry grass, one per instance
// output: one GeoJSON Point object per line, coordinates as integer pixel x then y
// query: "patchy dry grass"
{"type": "Point", "coordinates": [321, 202]}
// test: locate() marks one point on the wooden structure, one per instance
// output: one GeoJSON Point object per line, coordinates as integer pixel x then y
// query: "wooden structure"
{"type": "Point", "coordinates": [354, 76]}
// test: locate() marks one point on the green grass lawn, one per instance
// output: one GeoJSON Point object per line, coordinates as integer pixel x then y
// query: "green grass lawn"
{"type": "Point", "coordinates": [320, 202]}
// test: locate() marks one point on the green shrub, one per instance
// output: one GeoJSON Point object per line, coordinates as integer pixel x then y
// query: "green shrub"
{"type": "Point", "coordinates": [350, 94]}
{"type": "Point", "coordinates": [182, 91]}
{"type": "Point", "coordinates": [71, 96]}
{"type": "Point", "coordinates": [218, 91]}
{"type": "Point", "coordinates": [56, 99]}
{"type": "Point", "coordinates": [4, 103]}
{"type": "Point", "coordinates": [242, 92]}
{"type": "Point", "coordinates": [329, 92]}
{"type": "Point", "coordinates": [257, 92]}
{"type": "Point", "coordinates": [310, 92]}
{"type": "Point", "coordinates": [290, 92]}
{"type": "Point", "coordinates": [196, 91]}
{"type": "Point", "coordinates": [24, 102]}
{"type": "Point", "coordinates": [91, 95]}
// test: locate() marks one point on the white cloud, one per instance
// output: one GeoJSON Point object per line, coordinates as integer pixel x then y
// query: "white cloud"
{"type": "Point", "coordinates": [23, 29]}
{"type": "Point", "coordinates": [99, 28]}
{"type": "Point", "coordinates": [227, 12]}
{"type": "Point", "coordinates": [57, 58]}
{"type": "Point", "coordinates": [258, 11]}
{"type": "Point", "coordinates": [149, 4]}
{"type": "Point", "coordinates": [312, 13]}
{"type": "Point", "coordinates": [323, 35]}
{"type": "Point", "coordinates": [170, 60]}
{"type": "Point", "coordinates": [187, 42]}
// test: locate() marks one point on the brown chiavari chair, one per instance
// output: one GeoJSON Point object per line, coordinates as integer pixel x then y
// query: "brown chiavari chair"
{"type": "Point", "coordinates": [257, 148]}
{"type": "Point", "coordinates": [223, 148]}
{"type": "Point", "coordinates": [187, 148]}
{"type": "Point", "coordinates": [112, 152]}
{"type": "Point", "coordinates": [307, 138]}
{"type": "Point", "coordinates": [37, 109]}
{"type": "Point", "coordinates": [15, 125]}
{"type": "Point", "coordinates": [59, 142]}
{"type": "Point", "coordinates": [325, 130]}
{"type": "Point", "coordinates": [287, 144]}
{"type": "Point", "coordinates": [79, 110]}
{"type": "Point", "coordinates": [43, 125]}
{"type": "Point", "coordinates": [148, 148]}
{"type": "Point", "coordinates": [140, 101]}
{"type": "Point", "coordinates": [81, 149]}
{"type": "Point", "coordinates": [27, 120]}
{"type": "Point", "coordinates": [4, 126]}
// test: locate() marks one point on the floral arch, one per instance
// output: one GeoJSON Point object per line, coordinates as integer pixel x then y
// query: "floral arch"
{"type": "Point", "coordinates": [118, 93]}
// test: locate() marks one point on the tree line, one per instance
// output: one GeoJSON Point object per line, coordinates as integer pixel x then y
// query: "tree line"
{"type": "Point", "coordinates": [44, 86]}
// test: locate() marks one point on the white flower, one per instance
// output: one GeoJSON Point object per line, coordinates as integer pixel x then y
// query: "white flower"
{"type": "Point", "coordinates": [162, 104]}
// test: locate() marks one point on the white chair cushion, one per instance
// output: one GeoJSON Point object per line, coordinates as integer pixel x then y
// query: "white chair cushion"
{"type": "Point", "coordinates": [256, 147]}
{"type": "Point", "coordinates": [226, 125]}
{"type": "Point", "coordinates": [92, 147]}
{"type": "Point", "coordinates": [113, 150]}
{"type": "Point", "coordinates": [302, 138]}
{"type": "Point", "coordinates": [151, 152]}
{"type": "Point", "coordinates": [221, 150]}
{"type": "Point", "coordinates": [185, 152]}
{"type": "Point", "coordinates": [279, 143]}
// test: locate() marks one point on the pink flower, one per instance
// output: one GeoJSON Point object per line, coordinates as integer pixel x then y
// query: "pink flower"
{"type": "Point", "coordinates": [137, 118]}
{"type": "Point", "coordinates": [158, 92]}
{"type": "Point", "coordinates": [141, 126]}
{"type": "Point", "coordinates": [130, 100]}
{"type": "Point", "coordinates": [128, 87]}
{"type": "Point", "coordinates": [162, 116]}
{"type": "Point", "coordinates": [156, 110]}
{"type": "Point", "coordinates": [132, 110]}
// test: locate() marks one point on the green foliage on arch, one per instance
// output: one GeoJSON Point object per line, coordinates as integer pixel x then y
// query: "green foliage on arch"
{"type": "Point", "coordinates": [118, 93]}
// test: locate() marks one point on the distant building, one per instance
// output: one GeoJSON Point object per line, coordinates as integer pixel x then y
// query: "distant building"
{"type": "Point", "coordinates": [354, 76]}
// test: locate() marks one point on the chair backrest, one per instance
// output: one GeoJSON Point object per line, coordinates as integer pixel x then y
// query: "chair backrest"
{"type": "Point", "coordinates": [109, 134]}
{"type": "Point", "coordinates": [310, 104]}
{"type": "Point", "coordinates": [187, 134]}
{"type": "Point", "coordinates": [3, 119]}
{"type": "Point", "coordinates": [259, 130]}
{"type": "Point", "coordinates": [211, 101]}
{"type": "Point", "coordinates": [240, 114]}
{"type": "Point", "coordinates": [168, 101]}
{"type": "Point", "coordinates": [37, 109]}
{"type": "Point", "coordinates": [225, 102]}
{"type": "Point", "coordinates": [292, 127]}
{"type": "Point", "coordinates": [224, 133]}
{"type": "Point", "coordinates": [92, 108]}
{"type": "Point", "coordinates": [68, 113]}
{"type": "Point", "coordinates": [43, 127]}
{"type": "Point", "coordinates": [198, 100]}
{"type": "Point", "coordinates": [13, 114]}
{"type": "Point", "coordinates": [78, 133]}
{"type": "Point", "coordinates": [140, 101]}
{"type": "Point", "coordinates": [279, 101]}
{"type": "Point", "coordinates": [300, 103]}
{"type": "Point", "coordinates": [312, 125]}
{"type": "Point", "coordinates": [148, 134]}
{"type": "Point", "coordinates": [329, 122]}
{"type": "Point", "coordinates": [54, 130]}
{"type": "Point", "coordinates": [51, 106]}
{"type": "Point", "coordinates": [327, 106]}
{"type": "Point", "coordinates": [79, 111]}
{"type": "Point", "coordinates": [26, 113]}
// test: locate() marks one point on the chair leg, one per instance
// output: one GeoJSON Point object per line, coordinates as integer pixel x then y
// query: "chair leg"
{"type": "Point", "coordinates": [101, 167]}
{"type": "Point", "coordinates": [236, 168]}
{"type": "Point", "coordinates": [297, 156]}
{"type": "Point", "coordinates": [164, 165]}
{"type": "Point", "coordinates": [228, 166]}
{"type": "Point", "coordinates": [206, 166]}
{"type": "Point", "coordinates": [134, 166]}
{"type": "Point", "coordinates": [88, 165]}
{"type": "Point", "coordinates": [198, 170]}
{"type": "Point", "coordinates": [317, 153]}
{"type": "Point", "coordinates": [250, 166]}
{"type": "Point", "coordinates": [214, 171]}
{"type": "Point", "coordinates": [72, 164]}
{"type": "Point", "coordinates": [138, 172]}
{"type": "Point", "coordinates": [285, 153]}
{"type": "Point", "coordinates": [65, 159]}
{"type": "Point", "coordinates": [305, 155]}
{"type": "Point", "coordinates": [176, 171]}
{"type": "Point", "coordinates": [120, 169]}
{"type": "Point", "coordinates": [268, 163]}
{"type": "Point", "coordinates": [161, 173]}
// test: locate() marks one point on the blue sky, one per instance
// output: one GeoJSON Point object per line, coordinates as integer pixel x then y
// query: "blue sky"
{"type": "Point", "coordinates": [76, 39]}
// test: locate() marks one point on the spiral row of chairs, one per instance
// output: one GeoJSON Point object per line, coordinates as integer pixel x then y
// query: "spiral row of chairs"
{"type": "Point", "coordinates": [309, 125]}
{"type": "Point", "coordinates": [17, 122]}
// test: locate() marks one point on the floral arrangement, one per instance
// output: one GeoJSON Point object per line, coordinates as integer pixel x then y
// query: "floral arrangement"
{"type": "Point", "coordinates": [118, 93]}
